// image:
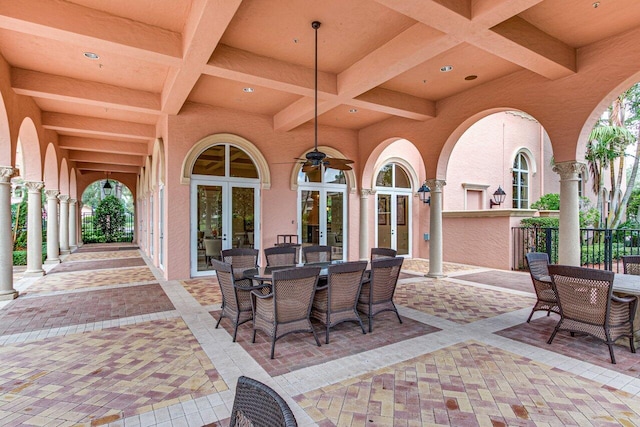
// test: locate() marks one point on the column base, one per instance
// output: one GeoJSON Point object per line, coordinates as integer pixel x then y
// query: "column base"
{"type": "Point", "coordinates": [435, 275]}
{"type": "Point", "coordinates": [65, 251]}
{"type": "Point", "coordinates": [52, 261]}
{"type": "Point", "coordinates": [33, 273]}
{"type": "Point", "coordinates": [9, 295]}
{"type": "Point", "coordinates": [73, 248]}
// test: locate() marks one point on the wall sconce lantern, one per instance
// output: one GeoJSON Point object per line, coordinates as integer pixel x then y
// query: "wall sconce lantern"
{"type": "Point", "coordinates": [107, 188]}
{"type": "Point", "coordinates": [422, 192]}
{"type": "Point", "coordinates": [498, 197]}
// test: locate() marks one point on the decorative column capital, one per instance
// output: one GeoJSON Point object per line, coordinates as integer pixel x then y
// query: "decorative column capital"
{"type": "Point", "coordinates": [436, 185]}
{"type": "Point", "coordinates": [569, 170]}
{"type": "Point", "coordinates": [73, 201]}
{"type": "Point", "coordinates": [34, 186]}
{"type": "Point", "coordinates": [6, 172]}
{"type": "Point", "coordinates": [52, 194]}
{"type": "Point", "coordinates": [64, 198]}
{"type": "Point", "coordinates": [366, 192]}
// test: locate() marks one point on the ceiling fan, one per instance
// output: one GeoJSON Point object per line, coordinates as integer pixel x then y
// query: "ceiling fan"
{"type": "Point", "coordinates": [315, 159]}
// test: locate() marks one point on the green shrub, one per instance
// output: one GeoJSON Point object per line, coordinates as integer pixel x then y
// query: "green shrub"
{"type": "Point", "coordinates": [548, 202]}
{"type": "Point", "coordinates": [109, 218]}
{"type": "Point", "coordinates": [541, 222]}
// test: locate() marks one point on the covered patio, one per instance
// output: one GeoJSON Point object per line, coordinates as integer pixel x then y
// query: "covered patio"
{"type": "Point", "coordinates": [149, 354]}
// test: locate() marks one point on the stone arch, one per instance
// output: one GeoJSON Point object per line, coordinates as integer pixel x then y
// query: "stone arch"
{"type": "Point", "coordinates": [157, 163]}
{"type": "Point", "coordinates": [331, 152]}
{"type": "Point", "coordinates": [29, 141]}
{"type": "Point", "coordinates": [148, 174]}
{"type": "Point", "coordinates": [5, 135]}
{"type": "Point", "coordinates": [51, 176]}
{"type": "Point", "coordinates": [226, 138]}
{"type": "Point", "coordinates": [73, 186]}
{"type": "Point", "coordinates": [64, 177]}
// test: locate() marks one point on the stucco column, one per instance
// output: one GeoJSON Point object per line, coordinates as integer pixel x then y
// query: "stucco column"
{"type": "Point", "coordinates": [569, 229]}
{"type": "Point", "coordinates": [73, 225]}
{"type": "Point", "coordinates": [80, 205]}
{"type": "Point", "coordinates": [435, 228]}
{"type": "Point", "coordinates": [64, 224]}
{"type": "Point", "coordinates": [6, 242]}
{"type": "Point", "coordinates": [53, 243]}
{"type": "Point", "coordinates": [34, 228]}
{"type": "Point", "coordinates": [364, 222]}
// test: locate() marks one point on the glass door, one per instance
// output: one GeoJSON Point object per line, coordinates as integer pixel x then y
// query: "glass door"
{"type": "Point", "coordinates": [393, 225]}
{"type": "Point", "coordinates": [322, 214]}
{"type": "Point", "coordinates": [161, 227]}
{"type": "Point", "coordinates": [225, 214]}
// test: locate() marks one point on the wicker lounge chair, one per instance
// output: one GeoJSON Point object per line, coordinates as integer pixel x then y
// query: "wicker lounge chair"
{"type": "Point", "coordinates": [287, 308]}
{"type": "Point", "coordinates": [631, 264]}
{"type": "Point", "coordinates": [281, 256]}
{"type": "Point", "coordinates": [256, 404]}
{"type": "Point", "coordinates": [311, 254]}
{"type": "Point", "coordinates": [587, 305]}
{"type": "Point", "coordinates": [236, 296]}
{"type": "Point", "coordinates": [336, 302]}
{"type": "Point", "coordinates": [376, 295]}
{"type": "Point", "coordinates": [538, 268]}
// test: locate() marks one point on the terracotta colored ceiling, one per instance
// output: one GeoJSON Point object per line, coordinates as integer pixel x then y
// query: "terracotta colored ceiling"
{"type": "Point", "coordinates": [379, 57]}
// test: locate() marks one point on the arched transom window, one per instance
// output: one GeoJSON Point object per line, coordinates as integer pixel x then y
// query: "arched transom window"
{"type": "Point", "coordinates": [225, 160]}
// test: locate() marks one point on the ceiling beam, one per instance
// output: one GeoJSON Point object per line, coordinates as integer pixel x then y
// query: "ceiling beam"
{"type": "Point", "coordinates": [107, 158]}
{"type": "Point", "coordinates": [104, 167]}
{"type": "Point", "coordinates": [48, 86]}
{"type": "Point", "coordinates": [83, 26]}
{"type": "Point", "coordinates": [94, 126]}
{"type": "Point", "coordinates": [102, 145]}
{"type": "Point", "coordinates": [206, 23]}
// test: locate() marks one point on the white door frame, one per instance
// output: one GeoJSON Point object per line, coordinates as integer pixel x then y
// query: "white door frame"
{"type": "Point", "coordinates": [394, 193]}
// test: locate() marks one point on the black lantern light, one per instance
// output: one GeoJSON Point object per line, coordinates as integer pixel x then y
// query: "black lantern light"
{"type": "Point", "coordinates": [422, 192]}
{"type": "Point", "coordinates": [498, 197]}
{"type": "Point", "coordinates": [107, 188]}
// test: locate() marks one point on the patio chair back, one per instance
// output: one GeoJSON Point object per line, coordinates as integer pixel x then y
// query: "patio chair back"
{"type": "Point", "coordinates": [378, 253]}
{"type": "Point", "coordinates": [587, 305]}
{"type": "Point", "coordinates": [376, 295]}
{"type": "Point", "coordinates": [241, 258]}
{"type": "Point", "coordinates": [539, 270]}
{"type": "Point", "coordinates": [257, 404]}
{"type": "Point", "coordinates": [337, 301]}
{"type": "Point", "coordinates": [287, 309]}
{"type": "Point", "coordinates": [236, 303]}
{"type": "Point", "coordinates": [316, 253]}
{"type": "Point", "coordinates": [281, 256]}
{"type": "Point", "coordinates": [631, 264]}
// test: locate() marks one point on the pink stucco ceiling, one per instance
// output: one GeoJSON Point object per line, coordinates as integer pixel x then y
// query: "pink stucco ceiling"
{"type": "Point", "coordinates": [379, 57]}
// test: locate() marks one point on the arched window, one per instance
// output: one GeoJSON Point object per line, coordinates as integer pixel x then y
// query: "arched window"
{"type": "Point", "coordinates": [393, 216]}
{"type": "Point", "coordinates": [520, 182]}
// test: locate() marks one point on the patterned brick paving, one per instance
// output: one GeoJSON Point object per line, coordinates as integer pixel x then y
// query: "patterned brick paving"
{"type": "Point", "coordinates": [97, 265]}
{"type": "Point", "coordinates": [103, 376]}
{"type": "Point", "coordinates": [91, 279]}
{"type": "Point", "coordinates": [299, 350]}
{"type": "Point", "coordinates": [505, 279]}
{"type": "Point", "coordinates": [30, 314]}
{"type": "Point", "coordinates": [205, 290]}
{"type": "Point", "coordinates": [422, 266]}
{"type": "Point", "coordinates": [89, 256]}
{"type": "Point", "coordinates": [590, 350]}
{"type": "Point", "coordinates": [469, 384]}
{"type": "Point", "coordinates": [458, 303]}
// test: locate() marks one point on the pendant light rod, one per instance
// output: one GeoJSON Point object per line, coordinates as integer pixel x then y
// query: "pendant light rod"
{"type": "Point", "coordinates": [315, 25]}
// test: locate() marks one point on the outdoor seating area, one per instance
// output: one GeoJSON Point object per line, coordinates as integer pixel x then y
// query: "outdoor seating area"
{"type": "Point", "coordinates": [160, 360]}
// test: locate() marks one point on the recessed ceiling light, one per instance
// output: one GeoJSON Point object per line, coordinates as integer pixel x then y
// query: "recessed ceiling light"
{"type": "Point", "coordinates": [91, 55]}
{"type": "Point", "coordinates": [247, 89]}
{"type": "Point", "coordinates": [353, 110]}
{"type": "Point", "coordinates": [471, 77]}
{"type": "Point", "coordinates": [596, 4]}
{"type": "Point", "coordinates": [446, 68]}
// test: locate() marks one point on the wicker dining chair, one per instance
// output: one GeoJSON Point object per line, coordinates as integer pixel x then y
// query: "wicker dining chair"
{"type": "Point", "coordinates": [538, 269]}
{"type": "Point", "coordinates": [281, 256]}
{"type": "Point", "coordinates": [336, 302]}
{"type": "Point", "coordinates": [376, 295]}
{"type": "Point", "coordinates": [256, 404]}
{"type": "Point", "coordinates": [288, 307]}
{"type": "Point", "coordinates": [236, 296]}
{"type": "Point", "coordinates": [241, 259]}
{"type": "Point", "coordinates": [631, 264]}
{"type": "Point", "coordinates": [587, 305]}
{"type": "Point", "coordinates": [316, 253]}
{"type": "Point", "coordinates": [378, 253]}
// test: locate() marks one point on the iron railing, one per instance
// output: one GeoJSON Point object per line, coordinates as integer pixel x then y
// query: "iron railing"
{"type": "Point", "coordinates": [600, 248]}
{"type": "Point", "coordinates": [91, 234]}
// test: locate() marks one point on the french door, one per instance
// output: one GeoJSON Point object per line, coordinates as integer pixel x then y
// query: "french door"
{"type": "Point", "coordinates": [394, 222]}
{"type": "Point", "coordinates": [322, 218]}
{"type": "Point", "coordinates": [161, 227]}
{"type": "Point", "coordinates": [223, 216]}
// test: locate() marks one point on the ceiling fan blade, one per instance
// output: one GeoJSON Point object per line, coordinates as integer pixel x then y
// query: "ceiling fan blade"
{"type": "Point", "coordinates": [309, 167]}
{"type": "Point", "coordinates": [339, 164]}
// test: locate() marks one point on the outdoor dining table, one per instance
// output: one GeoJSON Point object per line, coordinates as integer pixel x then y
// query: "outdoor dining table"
{"type": "Point", "coordinates": [265, 274]}
{"type": "Point", "coordinates": [629, 285]}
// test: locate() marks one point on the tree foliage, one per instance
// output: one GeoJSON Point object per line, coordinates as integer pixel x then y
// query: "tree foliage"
{"type": "Point", "coordinates": [110, 218]}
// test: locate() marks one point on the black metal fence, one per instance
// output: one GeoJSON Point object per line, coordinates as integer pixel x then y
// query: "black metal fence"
{"type": "Point", "coordinates": [91, 234]}
{"type": "Point", "coordinates": [600, 248]}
